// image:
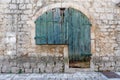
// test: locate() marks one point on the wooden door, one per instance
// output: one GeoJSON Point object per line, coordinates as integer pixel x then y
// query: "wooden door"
{"type": "Point", "coordinates": [65, 26]}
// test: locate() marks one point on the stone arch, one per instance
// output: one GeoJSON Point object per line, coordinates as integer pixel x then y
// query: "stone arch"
{"type": "Point", "coordinates": [80, 8]}
{"type": "Point", "coordinates": [64, 5]}
{"type": "Point", "coordinates": [67, 5]}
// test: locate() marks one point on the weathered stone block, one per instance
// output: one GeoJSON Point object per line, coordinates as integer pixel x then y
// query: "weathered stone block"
{"type": "Point", "coordinates": [104, 30]}
{"type": "Point", "coordinates": [36, 70]}
{"type": "Point", "coordinates": [118, 63]}
{"type": "Point", "coordinates": [22, 6]}
{"type": "Point", "coordinates": [24, 17]}
{"type": "Point", "coordinates": [33, 65]}
{"type": "Point", "coordinates": [22, 1]}
{"type": "Point", "coordinates": [57, 69]}
{"type": "Point", "coordinates": [110, 16]}
{"type": "Point", "coordinates": [5, 1]}
{"type": "Point", "coordinates": [26, 65]}
{"type": "Point", "coordinates": [28, 12]}
{"type": "Point", "coordinates": [108, 64]}
{"type": "Point", "coordinates": [33, 55]}
{"type": "Point", "coordinates": [2, 57]}
{"type": "Point", "coordinates": [10, 53]}
{"type": "Point", "coordinates": [117, 52]}
{"type": "Point", "coordinates": [13, 6]}
{"type": "Point", "coordinates": [105, 58]}
{"type": "Point", "coordinates": [60, 64]}
{"type": "Point", "coordinates": [13, 64]}
{"type": "Point", "coordinates": [118, 36]}
{"type": "Point", "coordinates": [5, 69]}
{"type": "Point", "coordinates": [41, 66]}
{"type": "Point", "coordinates": [13, 1]}
{"type": "Point", "coordinates": [27, 1]}
{"type": "Point", "coordinates": [100, 10]}
{"type": "Point", "coordinates": [29, 6]}
{"type": "Point", "coordinates": [15, 70]}
{"type": "Point", "coordinates": [48, 69]}
{"type": "Point", "coordinates": [28, 70]}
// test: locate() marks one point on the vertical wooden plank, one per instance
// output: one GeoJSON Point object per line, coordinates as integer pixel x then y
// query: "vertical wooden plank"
{"type": "Point", "coordinates": [60, 23]}
{"type": "Point", "coordinates": [79, 49]}
{"type": "Point", "coordinates": [50, 27]}
{"type": "Point", "coordinates": [70, 35]}
{"type": "Point", "coordinates": [87, 40]}
{"type": "Point", "coordinates": [37, 37]}
{"type": "Point", "coordinates": [56, 27]}
{"type": "Point", "coordinates": [82, 35]}
{"type": "Point", "coordinates": [65, 27]}
{"type": "Point", "coordinates": [73, 21]}
{"type": "Point", "coordinates": [43, 29]}
{"type": "Point", "coordinates": [75, 33]}
{"type": "Point", "coordinates": [61, 10]}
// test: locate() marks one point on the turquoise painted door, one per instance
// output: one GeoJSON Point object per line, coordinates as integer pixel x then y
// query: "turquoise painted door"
{"type": "Point", "coordinates": [65, 26]}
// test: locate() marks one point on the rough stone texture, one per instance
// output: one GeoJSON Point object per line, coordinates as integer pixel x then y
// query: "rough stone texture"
{"type": "Point", "coordinates": [56, 76]}
{"type": "Point", "coordinates": [17, 45]}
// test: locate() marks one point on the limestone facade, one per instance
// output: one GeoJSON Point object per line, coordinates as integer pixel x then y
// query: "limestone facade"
{"type": "Point", "coordinates": [19, 54]}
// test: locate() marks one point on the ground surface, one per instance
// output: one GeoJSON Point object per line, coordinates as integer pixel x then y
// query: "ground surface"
{"type": "Point", "coordinates": [56, 76]}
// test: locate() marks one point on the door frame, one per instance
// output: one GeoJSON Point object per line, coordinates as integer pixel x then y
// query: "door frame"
{"type": "Point", "coordinates": [42, 10]}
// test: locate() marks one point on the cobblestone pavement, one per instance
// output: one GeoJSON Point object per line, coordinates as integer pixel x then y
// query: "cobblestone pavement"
{"type": "Point", "coordinates": [56, 76]}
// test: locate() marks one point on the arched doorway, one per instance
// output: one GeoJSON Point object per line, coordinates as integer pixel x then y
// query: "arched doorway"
{"type": "Point", "coordinates": [66, 26]}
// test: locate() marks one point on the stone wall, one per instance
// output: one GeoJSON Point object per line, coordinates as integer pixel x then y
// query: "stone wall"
{"type": "Point", "coordinates": [18, 52]}
{"type": "Point", "coordinates": [32, 63]}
